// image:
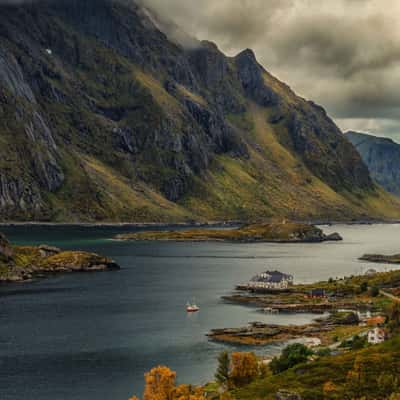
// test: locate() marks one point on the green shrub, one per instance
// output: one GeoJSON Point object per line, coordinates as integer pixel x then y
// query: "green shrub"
{"type": "Point", "coordinates": [374, 291]}
{"type": "Point", "coordinates": [291, 355]}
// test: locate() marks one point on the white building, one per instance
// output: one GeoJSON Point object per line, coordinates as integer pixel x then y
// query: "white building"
{"type": "Point", "coordinates": [376, 335]}
{"type": "Point", "coordinates": [271, 280]}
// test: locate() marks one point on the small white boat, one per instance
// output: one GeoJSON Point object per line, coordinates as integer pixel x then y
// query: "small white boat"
{"type": "Point", "coordinates": [192, 307]}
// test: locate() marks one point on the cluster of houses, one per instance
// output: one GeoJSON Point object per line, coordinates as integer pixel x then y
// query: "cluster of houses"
{"type": "Point", "coordinates": [276, 280]}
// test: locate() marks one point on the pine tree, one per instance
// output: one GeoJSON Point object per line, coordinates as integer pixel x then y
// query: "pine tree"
{"type": "Point", "coordinates": [222, 373]}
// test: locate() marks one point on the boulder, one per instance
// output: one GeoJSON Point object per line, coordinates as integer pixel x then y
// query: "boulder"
{"type": "Point", "coordinates": [287, 395]}
{"type": "Point", "coordinates": [333, 237]}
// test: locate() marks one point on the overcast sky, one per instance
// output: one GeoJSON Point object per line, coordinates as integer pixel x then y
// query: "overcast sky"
{"type": "Point", "coordinates": [343, 54]}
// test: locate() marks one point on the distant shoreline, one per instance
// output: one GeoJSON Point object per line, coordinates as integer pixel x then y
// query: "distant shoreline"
{"type": "Point", "coordinates": [185, 224]}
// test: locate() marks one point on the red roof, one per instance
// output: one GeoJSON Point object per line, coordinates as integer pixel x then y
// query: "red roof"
{"type": "Point", "coordinates": [378, 320]}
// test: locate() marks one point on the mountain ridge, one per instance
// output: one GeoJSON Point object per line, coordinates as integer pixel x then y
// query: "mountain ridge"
{"type": "Point", "coordinates": [106, 119]}
{"type": "Point", "coordinates": [382, 157]}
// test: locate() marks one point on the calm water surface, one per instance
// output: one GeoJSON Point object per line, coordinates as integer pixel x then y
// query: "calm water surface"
{"type": "Point", "coordinates": [92, 336]}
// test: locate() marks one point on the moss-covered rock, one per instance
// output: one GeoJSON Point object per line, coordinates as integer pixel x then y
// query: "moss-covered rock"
{"type": "Point", "coordinates": [28, 262]}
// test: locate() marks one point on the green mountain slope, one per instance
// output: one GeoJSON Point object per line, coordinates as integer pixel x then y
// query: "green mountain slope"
{"type": "Point", "coordinates": [382, 156]}
{"type": "Point", "coordinates": [103, 117]}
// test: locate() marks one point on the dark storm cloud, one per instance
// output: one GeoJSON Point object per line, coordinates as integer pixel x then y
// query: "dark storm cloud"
{"type": "Point", "coordinates": [345, 54]}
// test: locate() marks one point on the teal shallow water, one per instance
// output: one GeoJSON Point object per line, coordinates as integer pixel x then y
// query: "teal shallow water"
{"type": "Point", "coordinates": [92, 336]}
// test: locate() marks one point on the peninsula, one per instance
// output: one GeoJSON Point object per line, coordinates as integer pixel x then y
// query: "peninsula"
{"type": "Point", "coordinates": [344, 300]}
{"type": "Point", "coordinates": [380, 258]}
{"type": "Point", "coordinates": [22, 263]}
{"type": "Point", "coordinates": [283, 232]}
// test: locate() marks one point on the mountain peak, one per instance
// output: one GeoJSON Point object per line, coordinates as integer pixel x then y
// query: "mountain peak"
{"type": "Point", "coordinates": [382, 156]}
{"type": "Point", "coordinates": [210, 45]}
{"type": "Point", "coordinates": [247, 53]}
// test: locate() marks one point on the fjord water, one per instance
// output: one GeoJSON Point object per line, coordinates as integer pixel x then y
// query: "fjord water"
{"type": "Point", "coordinates": [92, 336]}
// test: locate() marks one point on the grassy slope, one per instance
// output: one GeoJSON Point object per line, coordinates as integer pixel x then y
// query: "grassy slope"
{"type": "Point", "coordinates": [273, 180]}
{"type": "Point", "coordinates": [102, 184]}
{"type": "Point", "coordinates": [101, 193]}
{"type": "Point", "coordinates": [309, 379]}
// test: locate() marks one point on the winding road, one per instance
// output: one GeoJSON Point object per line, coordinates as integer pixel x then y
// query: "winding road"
{"type": "Point", "coordinates": [389, 295]}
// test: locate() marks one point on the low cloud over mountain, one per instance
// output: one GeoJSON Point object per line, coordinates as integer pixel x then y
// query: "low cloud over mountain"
{"type": "Point", "coordinates": [344, 54]}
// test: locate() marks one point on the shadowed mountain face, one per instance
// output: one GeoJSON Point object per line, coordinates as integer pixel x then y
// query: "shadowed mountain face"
{"type": "Point", "coordinates": [382, 157]}
{"type": "Point", "coordinates": [103, 117]}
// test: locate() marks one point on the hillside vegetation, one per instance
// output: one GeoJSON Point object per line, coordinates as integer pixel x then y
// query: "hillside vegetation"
{"type": "Point", "coordinates": [103, 117]}
{"type": "Point", "coordinates": [351, 375]}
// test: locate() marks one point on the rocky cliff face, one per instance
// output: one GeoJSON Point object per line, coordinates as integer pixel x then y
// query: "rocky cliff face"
{"type": "Point", "coordinates": [104, 117]}
{"type": "Point", "coordinates": [382, 156]}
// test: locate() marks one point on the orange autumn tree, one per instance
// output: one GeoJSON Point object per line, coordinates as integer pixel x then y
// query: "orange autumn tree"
{"type": "Point", "coordinates": [244, 368]}
{"type": "Point", "coordinates": [328, 388]}
{"type": "Point", "coordinates": [159, 384]}
{"type": "Point", "coordinates": [188, 392]}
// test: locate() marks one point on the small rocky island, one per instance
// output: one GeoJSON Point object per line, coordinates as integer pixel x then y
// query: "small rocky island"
{"type": "Point", "coordinates": [22, 263]}
{"type": "Point", "coordinates": [320, 331]}
{"type": "Point", "coordinates": [380, 258]}
{"type": "Point", "coordinates": [283, 232]}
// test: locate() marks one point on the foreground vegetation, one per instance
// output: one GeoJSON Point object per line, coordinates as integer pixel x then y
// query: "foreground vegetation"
{"type": "Point", "coordinates": [357, 371]}
{"type": "Point", "coordinates": [267, 232]}
{"type": "Point", "coordinates": [370, 373]}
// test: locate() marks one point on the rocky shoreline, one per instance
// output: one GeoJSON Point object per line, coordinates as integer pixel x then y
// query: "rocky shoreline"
{"type": "Point", "coordinates": [194, 223]}
{"type": "Point", "coordinates": [380, 258]}
{"type": "Point", "coordinates": [343, 300]}
{"type": "Point", "coordinates": [290, 308]}
{"type": "Point", "coordinates": [257, 333]}
{"type": "Point", "coordinates": [24, 263]}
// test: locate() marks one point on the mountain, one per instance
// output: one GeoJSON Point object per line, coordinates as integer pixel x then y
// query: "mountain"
{"type": "Point", "coordinates": [103, 117]}
{"type": "Point", "coordinates": [382, 156]}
